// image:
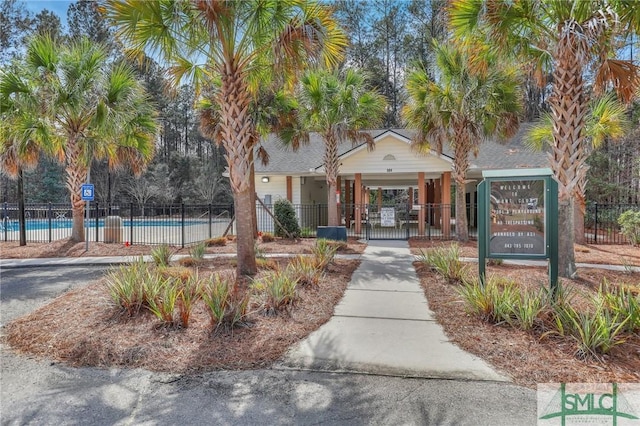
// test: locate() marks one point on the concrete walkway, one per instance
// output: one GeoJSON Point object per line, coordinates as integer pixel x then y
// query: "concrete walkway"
{"type": "Point", "coordinates": [384, 326]}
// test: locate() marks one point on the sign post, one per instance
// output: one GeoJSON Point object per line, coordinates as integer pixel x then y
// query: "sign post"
{"type": "Point", "coordinates": [87, 193]}
{"type": "Point", "coordinates": [518, 218]}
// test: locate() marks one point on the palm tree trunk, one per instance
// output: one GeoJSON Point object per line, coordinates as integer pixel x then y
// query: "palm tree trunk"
{"type": "Point", "coordinates": [236, 130]}
{"type": "Point", "coordinates": [462, 149]}
{"type": "Point", "coordinates": [76, 176]}
{"type": "Point", "coordinates": [579, 210]}
{"type": "Point", "coordinates": [462, 229]}
{"type": "Point", "coordinates": [22, 223]}
{"type": "Point", "coordinates": [331, 169]}
{"type": "Point", "coordinates": [568, 106]}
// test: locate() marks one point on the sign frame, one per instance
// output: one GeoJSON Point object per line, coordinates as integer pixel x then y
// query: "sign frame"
{"type": "Point", "coordinates": [87, 192]}
{"type": "Point", "coordinates": [550, 219]}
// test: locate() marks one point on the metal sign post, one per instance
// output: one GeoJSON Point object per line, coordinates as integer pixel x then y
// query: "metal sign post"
{"type": "Point", "coordinates": [87, 193]}
{"type": "Point", "coordinates": [518, 218]}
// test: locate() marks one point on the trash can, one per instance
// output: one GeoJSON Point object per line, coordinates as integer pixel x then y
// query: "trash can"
{"type": "Point", "coordinates": [113, 229]}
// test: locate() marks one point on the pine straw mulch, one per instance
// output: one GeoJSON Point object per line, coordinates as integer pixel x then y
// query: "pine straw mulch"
{"type": "Point", "coordinates": [601, 254]}
{"type": "Point", "coordinates": [66, 248]}
{"type": "Point", "coordinates": [84, 328]}
{"type": "Point", "coordinates": [526, 357]}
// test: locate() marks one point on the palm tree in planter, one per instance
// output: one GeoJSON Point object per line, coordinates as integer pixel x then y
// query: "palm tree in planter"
{"type": "Point", "coordinates": [93, 109]}
{"type": "Point", "coordinates": [607, 118]}
{"type": "Point", "coordinates": [565, 37]}
{"type": "Point", "coordinates": [464, 104]}
{"type": "Point", "coordinates": [231, 49]}
{"type": "Point", "coordinates": [339, 108]}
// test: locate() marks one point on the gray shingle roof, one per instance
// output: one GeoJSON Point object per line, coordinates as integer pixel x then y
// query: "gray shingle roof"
{"type": "Point", "coordinates": [510, 154]}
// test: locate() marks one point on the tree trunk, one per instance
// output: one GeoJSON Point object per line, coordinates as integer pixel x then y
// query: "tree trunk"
{"type": "Point", "coordinates": [236, 132]}
{"type": "Point", "coordinates": [462, 148]}
{"type": "Point", "coordinates": [566, 253]}
{"type": "Point", "coordinates": [76, 176]}
{"type": "Point", "coordinates": [254, 211]}
{"type": "Point", "coordinates": [331, 170]}
{"type": "Point", "coordinates": [568, 155]}
{"type": "Point", "coordinates": [244, 204]}
{"type": "Point", "coordinates": [462, 229]}
{"type": "Point", "coordinates": [22, 223]}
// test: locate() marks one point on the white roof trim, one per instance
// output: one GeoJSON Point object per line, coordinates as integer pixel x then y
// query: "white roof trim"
{"type": "Point", "coordinates": [384, 134]}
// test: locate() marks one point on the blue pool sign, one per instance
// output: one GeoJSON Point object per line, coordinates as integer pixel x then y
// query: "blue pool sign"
{"type": "Point", "coordinates": [86, 192]}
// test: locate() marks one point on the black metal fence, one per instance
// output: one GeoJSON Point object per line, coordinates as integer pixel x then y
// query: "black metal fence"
{"type": "Point", "coordinates": [601, 223]}
{"type": "Point", "coordinates": [177, 225]}
{"type": "Point", "coordinates": [184, 225]}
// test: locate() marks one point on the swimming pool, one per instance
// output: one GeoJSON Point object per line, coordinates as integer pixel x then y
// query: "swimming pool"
{"type": "Point", "coordinates": [39, 224]}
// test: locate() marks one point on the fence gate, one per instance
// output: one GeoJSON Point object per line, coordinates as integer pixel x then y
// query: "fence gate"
{"type": "Point", "coordinates": [387, 222]}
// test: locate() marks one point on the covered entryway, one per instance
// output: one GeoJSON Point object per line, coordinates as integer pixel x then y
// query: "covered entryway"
{"type": "Point", "coordinates": [393, 192]}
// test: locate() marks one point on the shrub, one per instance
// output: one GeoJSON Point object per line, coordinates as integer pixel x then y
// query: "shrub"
{"type": "Point", "coordinates": [595, 332]}
{"type": "Point", "coordinates": [277, 289]}
{"type": "Point", "coordinates": [528, 309]}
{"type": "Point", "coordinates": [259, 251]}
{"type": "Point", "coordinates": [162, 303]}
{"type": "Point", "coordinates": [629, 222]}
{"type": "Point", "coordinates": [197, 252]}
{"type": "Point", "coordinates": [304, 270]}
{"type": "Point", "coordinates": [190, 293]}
{"type": "Point", "coordinates": [178, 272]}
{"type": "Point", "coordinates": [268, 237]}
{"type": "Point", "coordinates": [188, 262]}
{"type": "Point", "coordinates": [161, 255]}
{"type": "Point", "coordinates": [307, 233]}
{"type": "Point", "coordinates": [264, 263]}
{"type": "Point", "coordinates": [621, 301]}
{"type": "Point", "coordinates": [217, 242]}
{"type": "Point", "coordinates": [446, 262]}
{"type": "Point", "coordinates": [224, 309]}
{"type": "Point", "coordinates": [492, 302]}
{"type": "Point", "coordinates": [323, 253]}
{"type": "Point", "coordinates": [126, 286]}
{"type": "Point", "coordinates": [286, 215]}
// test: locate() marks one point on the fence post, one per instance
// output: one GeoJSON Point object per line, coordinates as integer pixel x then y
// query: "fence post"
{"type": "Point", "coordinates": [209, 207]}
{"type": "Point", "coordinates": [5, 219]}
{"type": "Point", "coordinates": [97, 214]}
{"type": "Point", "coordinates": [131, 223]}
{"type": "Point", "coordinates": [49, 214]}
{"type": "Point", "coordinates": [182, 222]}
{"type": "Point", "coordinates": [595, 235]}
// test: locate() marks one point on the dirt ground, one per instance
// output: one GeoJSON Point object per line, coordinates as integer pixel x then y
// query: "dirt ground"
{"type": "Point", "coordinates": [533, 357]}
{"type": "Point", "coordinates": [65, 248]}
{"type": "Point", "coordinates": [95, 334]}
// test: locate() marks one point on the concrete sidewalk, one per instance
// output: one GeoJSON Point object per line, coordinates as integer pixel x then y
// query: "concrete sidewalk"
{"type": "Point", "coordinates": [384, 326]}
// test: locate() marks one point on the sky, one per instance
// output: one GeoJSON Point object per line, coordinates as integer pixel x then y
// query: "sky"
{"type": "Point", "coordinates": [59, 7]}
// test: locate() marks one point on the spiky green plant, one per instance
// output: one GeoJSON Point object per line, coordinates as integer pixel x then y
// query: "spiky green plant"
{"type": "Point", "coordinates": [445, 261]}
{"type": "Point", "coordinates": [528, 309]}
{"type": "Point", "coordinates": [190, 293]}
{"type": "Point", "coordinates": [197, 252]}
{"type": "Point", "coordinates": [492, 302]}
{"type": "Point", "coordinates": [304, 270]}
{"type": "Point", "coordinates": [596, 332]}
{"type": "Point", "coordinates": [163, 304]}
{"type": "Point", "coordinates": [277, 290]}
{"type": "Point", "coordinates": [323, 253]}
{"type": "Point", "coordinates": [161, 255]}
{"type": "Point", "coordinates": [224, 309]}
{"type": "Point", "coordinates": [126, 286]}
{"type": "Point", "coordinates": [621, 302]}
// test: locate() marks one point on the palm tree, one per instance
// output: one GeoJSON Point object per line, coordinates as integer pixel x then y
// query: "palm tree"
{"type": "Point", "coordinates": [463, 105]}
{"type": "Point", "coordinates": [607, 118]}
{"type": "Point", "coordinates": [232, 48]}
{"type": "Point", "coordinates": [23, 134]}
{"type": "Point", "coordinates": [562, 36]}
{"type": "Point", "coordinates": [94, 110]}
{"type": "Point", "coordinates": [339, 108]}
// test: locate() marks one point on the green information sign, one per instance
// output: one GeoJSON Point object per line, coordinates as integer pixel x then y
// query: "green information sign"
{"type": "Point", "coordinates": [518, 217]}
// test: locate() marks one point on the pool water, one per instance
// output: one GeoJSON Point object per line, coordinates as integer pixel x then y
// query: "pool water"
{"type": "Point", "coordinates": [38, 224]}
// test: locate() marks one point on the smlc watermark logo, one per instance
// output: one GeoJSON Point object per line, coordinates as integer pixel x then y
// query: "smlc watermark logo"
{"type": "Point", "coordinates": [615, 404]}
